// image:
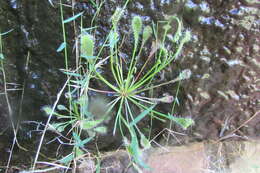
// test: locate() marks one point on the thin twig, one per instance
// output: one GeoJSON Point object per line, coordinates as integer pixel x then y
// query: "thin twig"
{"type": "Point", "coordinates": [47, 123]}
{"type": "Point", "coordinates": [242, 125]}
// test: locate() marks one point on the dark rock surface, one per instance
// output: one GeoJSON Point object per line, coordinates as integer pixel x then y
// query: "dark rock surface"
{"type": "Point", "coordinates": [223, 56]}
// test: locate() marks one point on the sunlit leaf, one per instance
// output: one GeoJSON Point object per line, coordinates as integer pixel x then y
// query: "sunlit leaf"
{"type": "Point", "coordinates": [73, 18]}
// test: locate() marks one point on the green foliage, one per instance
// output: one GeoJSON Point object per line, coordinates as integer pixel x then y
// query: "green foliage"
{"type": "Point", "coordinates": [127, 82]}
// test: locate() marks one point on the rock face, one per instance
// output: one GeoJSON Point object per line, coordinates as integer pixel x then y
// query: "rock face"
{"type": "Point", "coordinates": [223, 56]}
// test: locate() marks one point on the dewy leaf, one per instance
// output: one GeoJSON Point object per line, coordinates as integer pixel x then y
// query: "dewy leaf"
{"type": "Point", "coordinates": [61, 47]}
{"type": "Point", "coordinates": [87, 46]}
{"type": "Point", "coordinates": [183, 122]}
{"type": "Point", "coordinates": [73, 18]}
{"type": "Point", "coordinates": [141, 116]}
{"type": "Point", "coordinates": [147, 33]}
{"type": "Point", "coordinates": [137, 27]}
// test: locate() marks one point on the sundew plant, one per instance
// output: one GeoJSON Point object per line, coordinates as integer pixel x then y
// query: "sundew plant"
{"type": "Point", "coordinates": [128, 85]}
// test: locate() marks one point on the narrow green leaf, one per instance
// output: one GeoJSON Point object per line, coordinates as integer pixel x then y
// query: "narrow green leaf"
{"type": "Point", "coordinates": [135, 151]}
{"type": "Point", "coordinates": [7, 32]}
{"type": "Point", "coordinates": [67, 158]}
{"type": "Point", "coordinates": [61, 47]}
{"type": "Point", "coordinates": [73, 18]}
{"type": "Point", "coordinates": [81, 143]}
{"type": "Point", "coordinates": [141, 116]}
{"type": "Point", "coordinates": [72, 74]}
